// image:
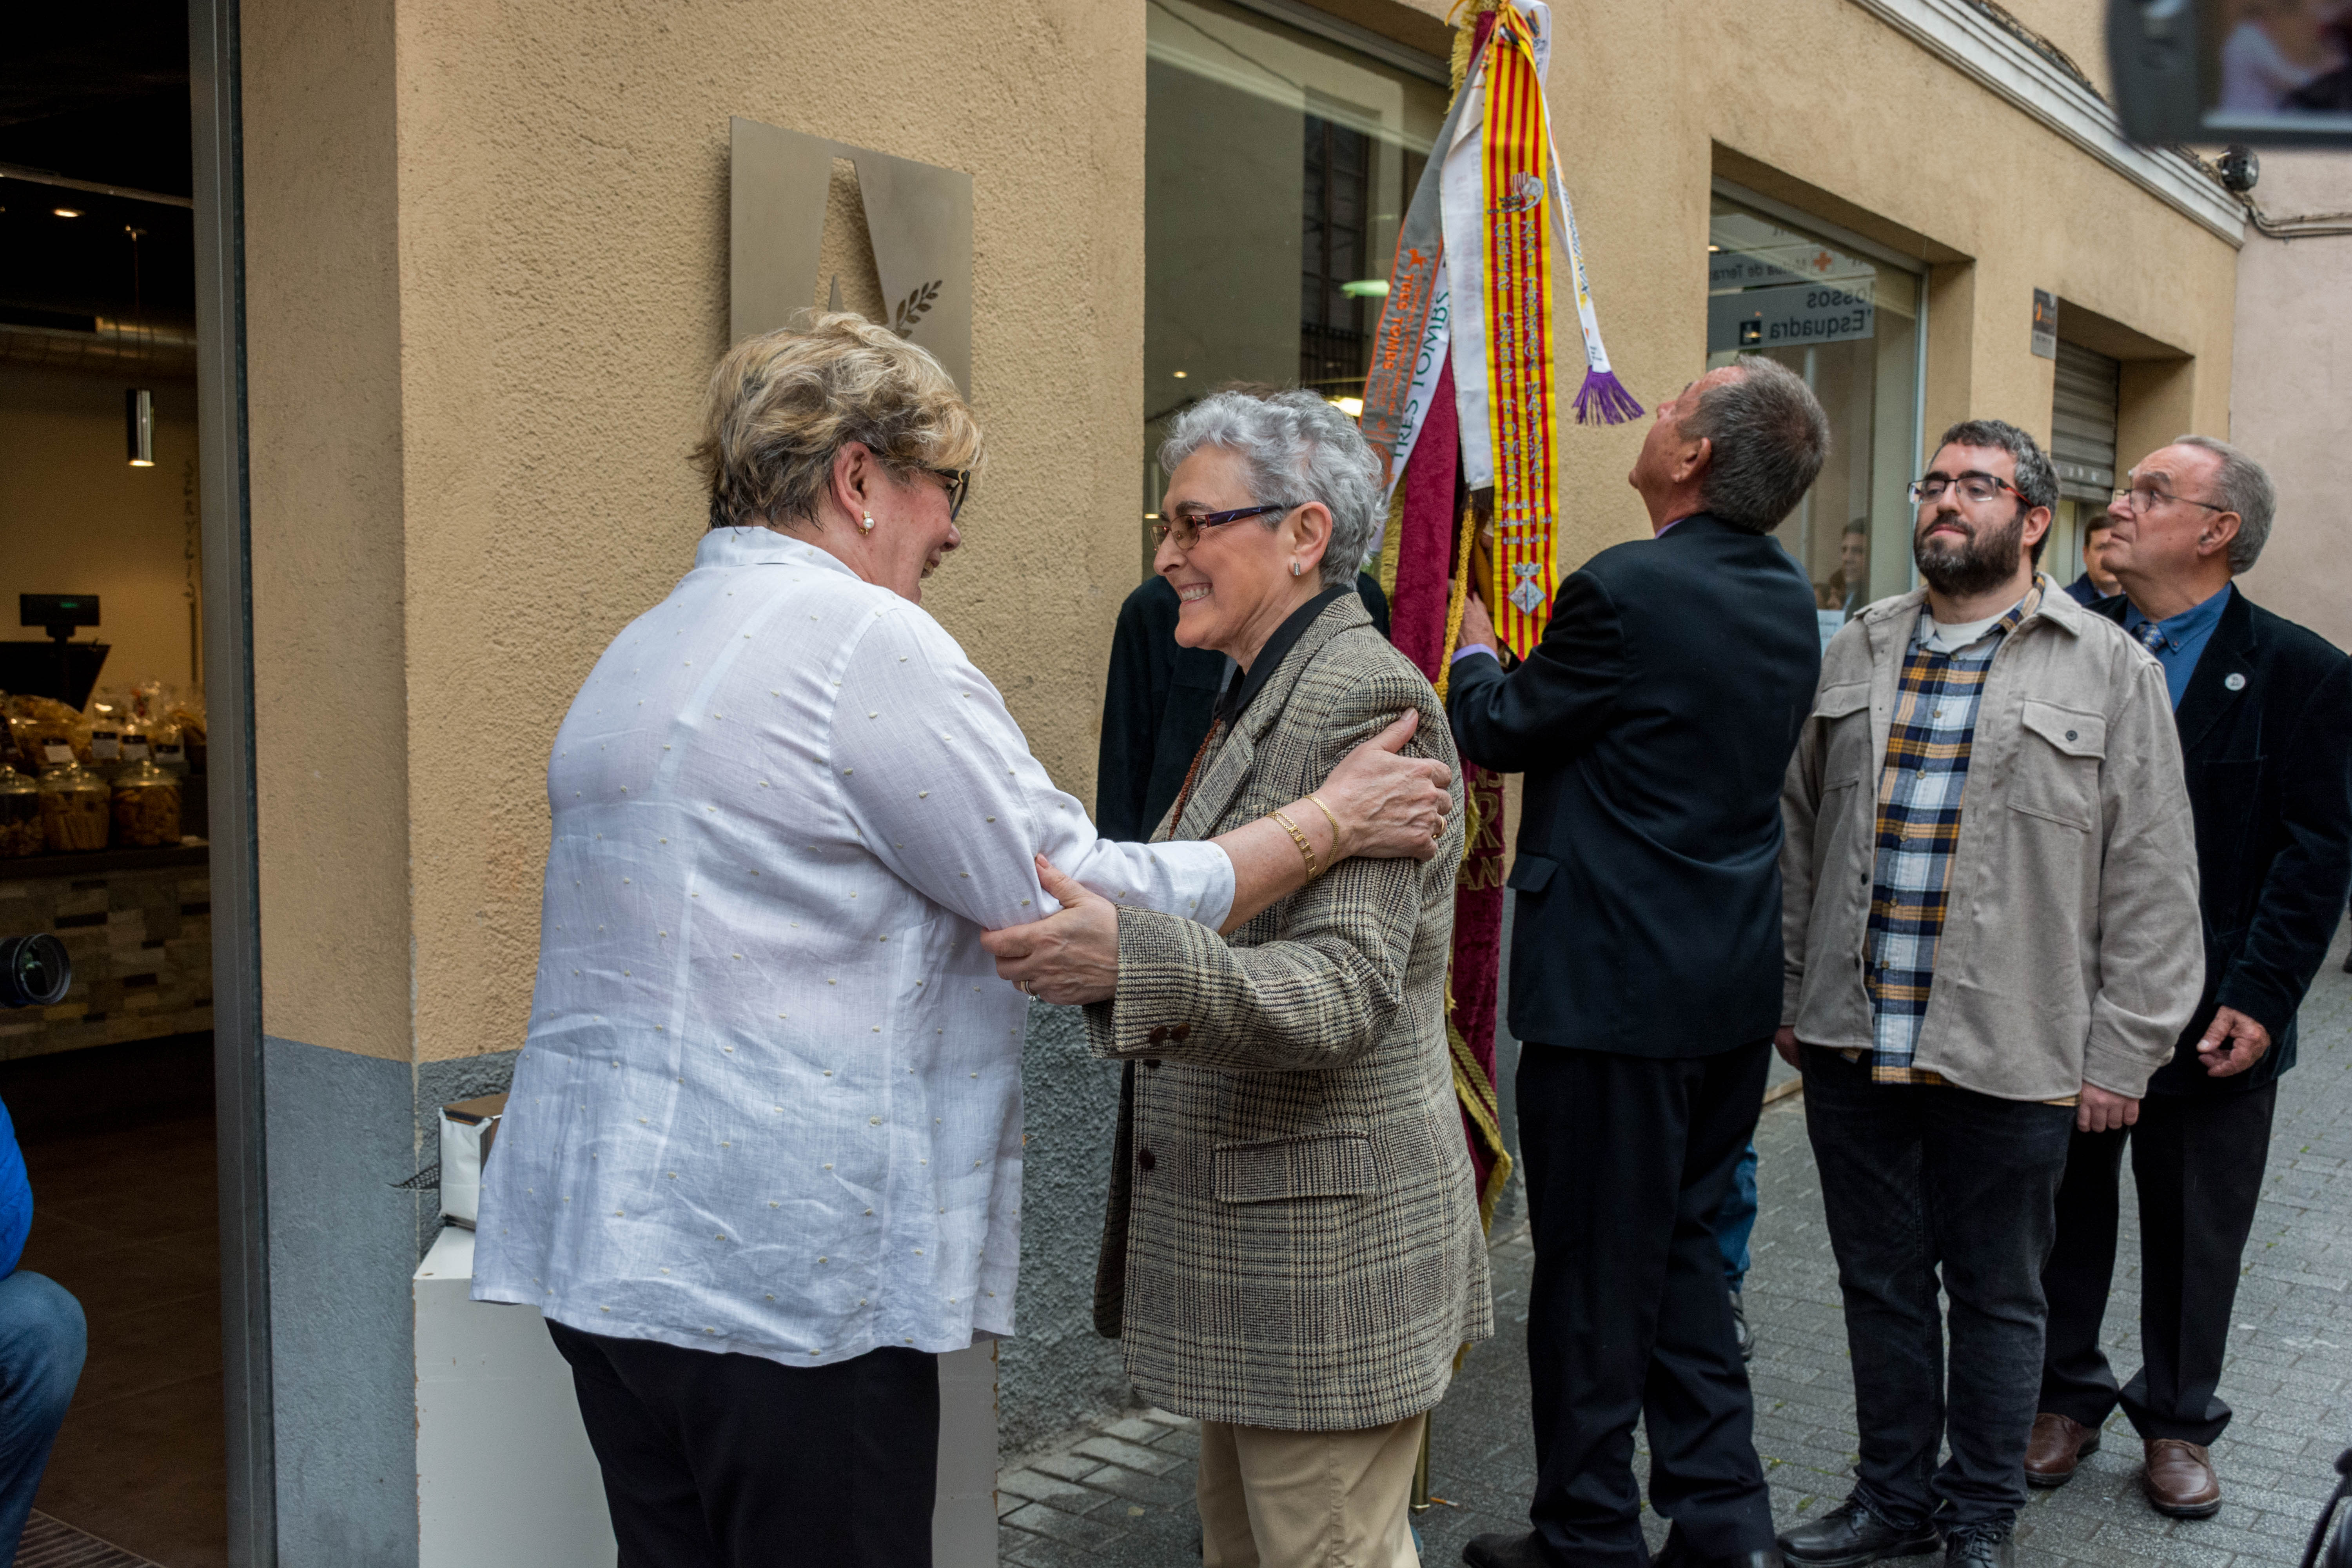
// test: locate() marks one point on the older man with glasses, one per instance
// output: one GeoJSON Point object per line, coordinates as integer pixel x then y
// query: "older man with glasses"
{"type": "Point", "coordinates": [2264, 710]}
{"type": "Point", "coordinates": [1989, 901]}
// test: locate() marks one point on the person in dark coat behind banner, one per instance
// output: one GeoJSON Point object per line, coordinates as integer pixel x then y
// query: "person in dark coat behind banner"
{"type": "Point", "coordinates": [1654, 723]}
{"type": "Point", "coordinates": [2264, 710]}
{"type": "Point", "coordinates": [1156, 702]}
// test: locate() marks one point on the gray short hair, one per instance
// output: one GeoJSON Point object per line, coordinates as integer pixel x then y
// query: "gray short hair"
{"type": "Point", "coordinates": [2244, 486]}
{"type": "Point", "coordinates": [1296, 447]}
{"type": "Point", "coordinates": [2036, 481]}
{"type": "Point", "coordinates": [1769, 437]}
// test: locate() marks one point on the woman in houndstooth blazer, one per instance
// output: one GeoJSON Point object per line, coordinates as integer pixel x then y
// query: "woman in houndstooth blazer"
{"type": "Point", "coordinates": [1293, 1253]}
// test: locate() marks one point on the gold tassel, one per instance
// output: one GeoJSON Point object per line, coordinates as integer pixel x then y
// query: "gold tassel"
{"type": "Point", "coordinates": [1462, 15]}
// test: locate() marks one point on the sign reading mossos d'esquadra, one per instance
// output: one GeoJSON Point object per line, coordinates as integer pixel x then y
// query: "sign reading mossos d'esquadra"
{"type": "Point", "coordinates": [1770, 288]}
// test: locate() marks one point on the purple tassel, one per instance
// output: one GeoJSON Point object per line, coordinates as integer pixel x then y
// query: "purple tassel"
{"type": "Point", "coordinates": [1603, 400]}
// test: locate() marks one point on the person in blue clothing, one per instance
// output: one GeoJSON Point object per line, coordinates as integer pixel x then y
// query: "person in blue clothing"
{"type": "Point", "coordinates": [1734, 1222]}
{"type": "Point", "coordinates": [42, 1340]}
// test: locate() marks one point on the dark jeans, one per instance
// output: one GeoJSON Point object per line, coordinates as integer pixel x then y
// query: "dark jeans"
{"type": "Point", "coordinates": [715, 1460]}
{"type": "Point", "coordinates": [2198, 1164]}
{"type": "Point", "coordinates": [1920, 1182]}
{"type": "Point", "coordinates": [42, 1341]}
{"type": "Point", "coordinates": [1627, 1160]}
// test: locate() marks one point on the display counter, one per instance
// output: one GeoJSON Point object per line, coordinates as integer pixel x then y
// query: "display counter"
{"type": "Point", "coordinates": [137, 925]}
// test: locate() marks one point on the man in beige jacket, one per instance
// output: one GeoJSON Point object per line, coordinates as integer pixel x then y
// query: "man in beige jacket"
{"type": "Point", "coordinates": [1989, 911]}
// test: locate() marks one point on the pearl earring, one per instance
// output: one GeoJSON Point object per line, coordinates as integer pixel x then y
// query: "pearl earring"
{"type": "Point", "coordinates": [1293, 568]}
{"type": "Point", "coordinates": [868, 526]}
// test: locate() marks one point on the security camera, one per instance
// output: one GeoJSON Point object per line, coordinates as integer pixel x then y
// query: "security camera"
{"type": "Point", "coordinates": [2240, 169]}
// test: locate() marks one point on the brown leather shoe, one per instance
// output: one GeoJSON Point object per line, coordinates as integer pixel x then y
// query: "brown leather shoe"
{"type": "Point", "coordinates": [2180, 1479]}
{"type": "Point", "coordinates": [2056, 1449]}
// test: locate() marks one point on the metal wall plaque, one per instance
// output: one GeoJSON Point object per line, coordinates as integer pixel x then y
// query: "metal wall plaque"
{"type": "Point", "coordinates": [2045, 323]}
{"type": "Point", "coordinates": [918, 217]}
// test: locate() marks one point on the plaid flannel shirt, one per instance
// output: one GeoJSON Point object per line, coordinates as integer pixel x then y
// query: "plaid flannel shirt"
{"type": "Point", "coordinates": [1920, 789]}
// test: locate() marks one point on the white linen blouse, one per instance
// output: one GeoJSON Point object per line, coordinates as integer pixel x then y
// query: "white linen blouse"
{"type": "Point", "coordinates": [769, 1101]}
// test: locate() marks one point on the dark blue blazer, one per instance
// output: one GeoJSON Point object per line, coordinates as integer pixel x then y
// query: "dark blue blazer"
{"type": "Point", "coordinates": [1653, 722]}
{"type": "Point", "coordinates": [2266, 743]}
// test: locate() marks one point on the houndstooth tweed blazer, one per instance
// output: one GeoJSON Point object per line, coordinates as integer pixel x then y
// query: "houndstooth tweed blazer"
{"type": "Point", "coordinates": [1293, 1236]}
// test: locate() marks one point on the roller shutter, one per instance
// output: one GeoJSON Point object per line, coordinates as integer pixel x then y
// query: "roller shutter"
{"type": "Point", "coordinates": [2083, 424]}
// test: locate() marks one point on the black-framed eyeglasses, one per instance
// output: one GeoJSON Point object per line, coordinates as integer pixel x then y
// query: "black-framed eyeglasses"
{"type": "Point", "coordinates": [1976, 486]}
{"type": "Point", "coordinates": [2139, 499]}
{"type": "Point", "coordinates": [1185, 527]}
{"type": "Point", "coordinates": [959, 484]}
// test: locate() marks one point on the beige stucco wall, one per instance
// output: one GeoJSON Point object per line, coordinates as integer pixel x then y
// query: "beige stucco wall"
{"type": "Point", "coordinates": [1817, 104]}
{"type": "Point", "coordinates": [488, 271]}
{"type": "Point", "coordinates": [2293, 383]}
{"type": "Point", "coordinates": [488, 274]}
{"type": "Point", "coordinates": [330, 690]}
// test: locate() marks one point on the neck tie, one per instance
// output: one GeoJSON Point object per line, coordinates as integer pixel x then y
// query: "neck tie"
{"type": "Point", "coordinates": [2152, 638]}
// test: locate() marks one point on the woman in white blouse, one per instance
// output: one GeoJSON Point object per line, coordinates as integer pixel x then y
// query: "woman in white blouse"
{"type": "Point", "coordinates": [762, 1162]}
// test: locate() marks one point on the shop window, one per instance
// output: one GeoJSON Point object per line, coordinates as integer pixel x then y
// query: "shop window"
{"type": "Point", "coordinates": [1278, 164]}
{"type": "Point", "coordinates": [1850, 323]}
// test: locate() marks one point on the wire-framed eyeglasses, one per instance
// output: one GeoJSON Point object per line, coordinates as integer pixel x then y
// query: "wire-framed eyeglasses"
{"type": "Point", "coordinates": [1976, 488]}
{"type": "Point", "coordinates": [1185, 527]}
{"type": "Point", "coordinates": [2139, 499]}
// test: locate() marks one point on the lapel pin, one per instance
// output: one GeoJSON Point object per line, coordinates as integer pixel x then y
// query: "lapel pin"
{"type": "Point", "coordinates": [2235, 681]}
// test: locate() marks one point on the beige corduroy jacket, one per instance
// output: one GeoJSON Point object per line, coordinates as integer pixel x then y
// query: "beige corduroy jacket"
{"type": "Point", "coordinates": [2071, 951]}
{"type": "Point", "coordinates": [1293, 1236]}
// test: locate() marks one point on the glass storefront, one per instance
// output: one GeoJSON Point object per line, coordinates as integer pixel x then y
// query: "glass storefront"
{"type": "Point", "coordinates": [1277, 166]}
{"type": "Point", "coordinates": [1849, 324]}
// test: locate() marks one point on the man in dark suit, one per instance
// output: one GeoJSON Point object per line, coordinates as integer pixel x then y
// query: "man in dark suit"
{"type": "Point", "coordinates": [1158, 699]}
{"type": "Point", "coordinates": [1654, 723]}
{"type": "Point", "coordinates": [2265, 709]}
{"type": "Point", "coordinates": [2096, 583]}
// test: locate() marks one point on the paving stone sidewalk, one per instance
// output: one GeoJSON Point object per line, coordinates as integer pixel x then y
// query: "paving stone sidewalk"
{"type": "Point", "coordinates": [1121, 1493]}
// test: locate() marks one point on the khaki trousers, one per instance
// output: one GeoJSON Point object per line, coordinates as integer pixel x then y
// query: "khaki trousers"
{"type": "Point", "coordinates": [1308, 1499]}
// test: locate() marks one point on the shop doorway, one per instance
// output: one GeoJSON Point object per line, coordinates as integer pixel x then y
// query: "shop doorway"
{"type": "Point", "coordinates": [105, 811]}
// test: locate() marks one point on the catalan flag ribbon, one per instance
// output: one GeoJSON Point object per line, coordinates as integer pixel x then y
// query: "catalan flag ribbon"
{"type": "Point", "coordinates": [1516, 159]}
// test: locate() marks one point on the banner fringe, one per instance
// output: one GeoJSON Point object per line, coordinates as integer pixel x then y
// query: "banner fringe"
{"type": "Point", "coordinates": [1603, 400]}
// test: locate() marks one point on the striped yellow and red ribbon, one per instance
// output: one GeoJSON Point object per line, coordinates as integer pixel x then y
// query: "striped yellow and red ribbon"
{"type": "Point", "coordinates": [1517, 160]}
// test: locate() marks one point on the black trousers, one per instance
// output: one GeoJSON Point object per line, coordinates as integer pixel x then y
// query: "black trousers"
{"type": "Point", "coordinates": [1920, 1182]}
{"type": "Point", "coordinates": [715, 1460]}
{"type": "Point", "coordinates": [2197, 1163]}
{"type": "Point", "coordinates": [1628, 1159]}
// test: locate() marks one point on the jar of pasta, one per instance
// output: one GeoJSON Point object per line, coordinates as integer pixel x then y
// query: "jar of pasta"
{"type": "Point", "coordinates": [146, 806]}
{"type": "Point", "coordinates": [20, 816]}
{"type": "Point", "coordinates": [74, 805]}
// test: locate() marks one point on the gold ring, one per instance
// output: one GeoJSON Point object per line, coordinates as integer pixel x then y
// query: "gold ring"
{"type": "Point", "coordinates": [1437, 832]}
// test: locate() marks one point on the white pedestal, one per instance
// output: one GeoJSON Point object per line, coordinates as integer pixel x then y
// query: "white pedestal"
{"type": "Point", "coordinates": [505, 1478]}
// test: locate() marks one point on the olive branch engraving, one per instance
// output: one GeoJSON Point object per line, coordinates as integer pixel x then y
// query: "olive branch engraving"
{"type": "Point", "coordinates": [915, 306]}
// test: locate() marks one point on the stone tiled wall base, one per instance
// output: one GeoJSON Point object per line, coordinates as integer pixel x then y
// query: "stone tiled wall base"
{"type": "Point", "coordinates": [142, 956]}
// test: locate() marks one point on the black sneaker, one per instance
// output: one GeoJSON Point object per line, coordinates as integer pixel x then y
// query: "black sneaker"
{"type": "Point", "coordinates": [1851, 1535]}
{"type": "Point", "coordinates": [1739, 1334]}
{"type": "Point", "coordinates": [1981, 1546]}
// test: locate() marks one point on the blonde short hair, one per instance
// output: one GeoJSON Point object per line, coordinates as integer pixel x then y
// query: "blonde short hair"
{"type": "Point", "coordinates": [784, 403]}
